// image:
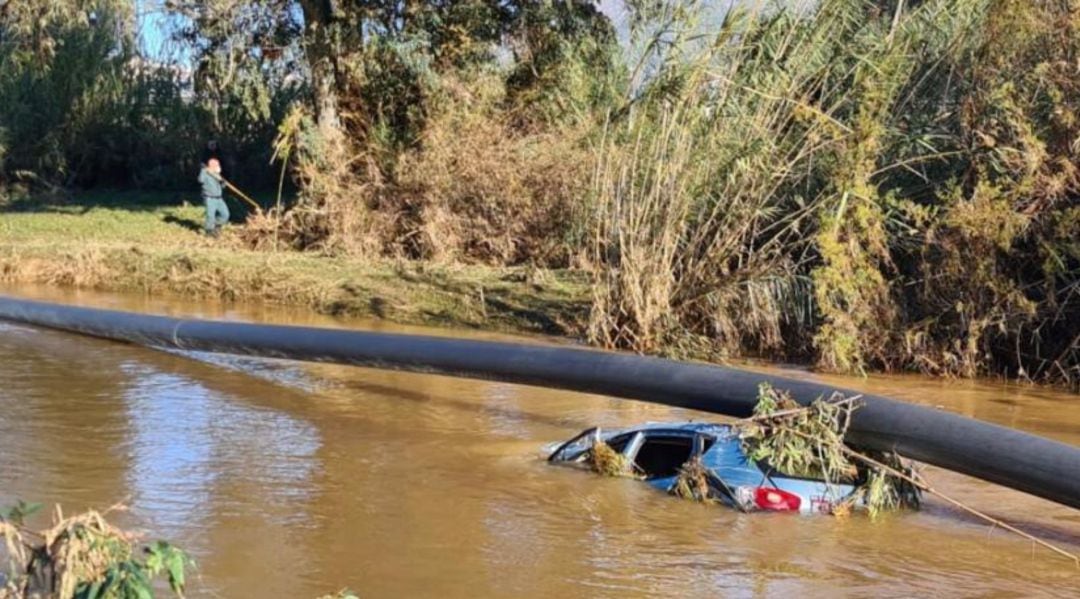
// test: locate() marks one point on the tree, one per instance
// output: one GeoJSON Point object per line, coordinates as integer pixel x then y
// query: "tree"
{"type": "Point", "coordinates": [322, 33]}
{"type": "Point", "coordinates": [336, 36]}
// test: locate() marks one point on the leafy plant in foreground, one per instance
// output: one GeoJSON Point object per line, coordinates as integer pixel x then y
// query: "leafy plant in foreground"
{"type": "Point", "coordinates": [84, 557]}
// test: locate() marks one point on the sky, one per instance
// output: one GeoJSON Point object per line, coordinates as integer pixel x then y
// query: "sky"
{"type": "Point", "coordinates": [154, 27]}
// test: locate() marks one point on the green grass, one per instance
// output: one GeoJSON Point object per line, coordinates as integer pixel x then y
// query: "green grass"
{"type": "Point", "coordinates": [152, 243]}
{"type": "Point", "coordinates": [101, 218]}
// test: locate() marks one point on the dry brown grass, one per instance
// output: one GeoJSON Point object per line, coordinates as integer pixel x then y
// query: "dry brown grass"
{"type": "Point", "coordinates": [478, 189]}
{"type": "Point", "coordinates": [473, 188]}
{"type": "Point", "coordinates": [689, 261]}
{"type": "Point", "coordinates": [603, 459]}
{"type": "Point", "coordinates": [783, 200]}
{"type": "Point", "coordinates": [339, 183]}
{"type": "Point", "coordinates": [693, 482]}
{"type": "Point", "coordinates": [82, 548]}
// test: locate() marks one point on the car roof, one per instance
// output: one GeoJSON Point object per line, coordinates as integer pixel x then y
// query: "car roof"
{"type": "Point", "coordinates": [687, 427]}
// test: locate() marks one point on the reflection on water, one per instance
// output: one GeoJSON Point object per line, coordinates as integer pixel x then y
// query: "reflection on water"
{"type": "Point", "coordinates": [291, 480]}
{"type": "Point", "coordinates": [187, 441]}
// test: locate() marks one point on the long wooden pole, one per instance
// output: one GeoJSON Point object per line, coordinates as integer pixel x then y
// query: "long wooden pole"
{"type": "Point", "coordinates": [241, 195]}
{"type": "Point", "coordinates": [925, 486]}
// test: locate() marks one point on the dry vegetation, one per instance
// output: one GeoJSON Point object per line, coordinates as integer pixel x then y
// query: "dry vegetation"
{"type": "Point", "coordinates": [474, 189]}
{"type": "Point", "coordinates": [603, 459]}
{"type": "Point", "coordinates": [85, 557]}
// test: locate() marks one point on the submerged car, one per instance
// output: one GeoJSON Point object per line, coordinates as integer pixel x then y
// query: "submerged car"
{"type": "Point", "coordinates": [659, 451]}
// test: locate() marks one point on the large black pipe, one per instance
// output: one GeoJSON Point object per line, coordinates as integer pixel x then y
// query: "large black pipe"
{"type": "Point", "coordinates": [997, 454]}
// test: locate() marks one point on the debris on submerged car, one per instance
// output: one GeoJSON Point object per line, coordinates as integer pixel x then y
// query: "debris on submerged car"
{"type": "Point", "coordinates": [785, 458]}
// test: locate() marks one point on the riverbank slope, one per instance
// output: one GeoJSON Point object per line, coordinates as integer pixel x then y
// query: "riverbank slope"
{"type": "Point", "coordinates": [152, 243]}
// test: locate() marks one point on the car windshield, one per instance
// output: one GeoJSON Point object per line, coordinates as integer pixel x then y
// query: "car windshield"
{"type": "Point", "coordinates": [576, 447]}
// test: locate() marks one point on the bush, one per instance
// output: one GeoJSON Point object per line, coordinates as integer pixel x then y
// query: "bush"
{"type": "Point", "coordinates": [83, 557]}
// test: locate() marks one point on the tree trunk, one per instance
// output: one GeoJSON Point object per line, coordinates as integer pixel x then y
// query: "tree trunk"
{"type": "Point", "coordinates": [319, 34]}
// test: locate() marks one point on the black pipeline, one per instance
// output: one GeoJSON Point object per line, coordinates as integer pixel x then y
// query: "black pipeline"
{"type": "Point", "coordinates": [997, 454]}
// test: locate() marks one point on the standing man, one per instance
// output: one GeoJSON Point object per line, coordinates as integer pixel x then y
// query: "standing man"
{"type": "Point", "coordinates": [217, 213]}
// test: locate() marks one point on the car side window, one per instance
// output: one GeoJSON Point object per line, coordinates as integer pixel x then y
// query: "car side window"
{"type": "Point", "coordinates": [660, 455]}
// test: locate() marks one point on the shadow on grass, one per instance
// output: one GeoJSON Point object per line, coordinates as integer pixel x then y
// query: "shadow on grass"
{"type": "Point", "coordinates": [186, 223]}
{"type": "Point", "coordinates": [81, 203]}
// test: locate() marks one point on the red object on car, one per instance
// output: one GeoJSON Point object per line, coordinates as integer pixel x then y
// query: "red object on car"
{"type": "Point", "coordinates": [776, 500]}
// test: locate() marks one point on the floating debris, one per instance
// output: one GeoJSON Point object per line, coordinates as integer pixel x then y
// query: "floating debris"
{"type": "Point", "coordinates": [800, 441]}
{"type": "Point", "coordinates": [603, 459]}
{"type": "Point", "coordinates": [808, 442]}
{"type": "Point", "coordinates": [883, 491]}
{"type": "Point", "coordinates": [693, 482]}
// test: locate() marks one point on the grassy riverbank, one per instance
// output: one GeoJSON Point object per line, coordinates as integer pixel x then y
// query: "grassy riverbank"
{"type": "Point", "coordinates": [152, 243]}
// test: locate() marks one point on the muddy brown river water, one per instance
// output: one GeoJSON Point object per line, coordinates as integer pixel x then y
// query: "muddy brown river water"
{"type": "Point", "coordinates": [292, 480]}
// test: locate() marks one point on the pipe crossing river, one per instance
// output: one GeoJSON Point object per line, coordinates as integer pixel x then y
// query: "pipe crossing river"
{"type": "Point", "coordinates": [1001, 455]}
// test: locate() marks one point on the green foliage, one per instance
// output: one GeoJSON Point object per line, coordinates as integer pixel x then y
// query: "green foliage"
{"type": "Point", "coordinates": [800, 442]}
{"type": "Point", "coordinates": [60, 79]}
{"type": "Point", "coordinates": [163, 557]}
{"type": "Point", "coordinates": [245, 53]}
{"type": "Point", "coordinates": [883, 492]}
{"type": "Point", "coordinates": [567, 64]}
{"type": "Point", "coordinates": [80, 105]}
{"type": "Point", "coordinates": [998, 292]}
{"type": "Point", "coordinates": [84, 557]}
{"type": "Point", "coordinates": [18, 513]}
{"type": "Point", "coordinates": [809, 442]}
